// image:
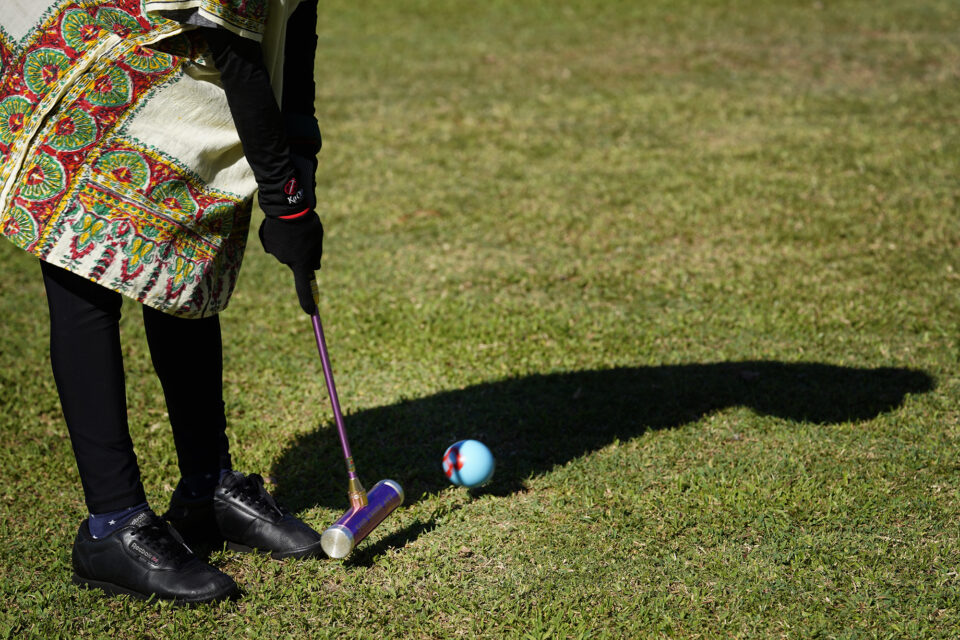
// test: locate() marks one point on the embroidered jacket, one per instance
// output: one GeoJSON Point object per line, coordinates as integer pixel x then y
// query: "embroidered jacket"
{"type": "Point", "coordinates": [119, 160]}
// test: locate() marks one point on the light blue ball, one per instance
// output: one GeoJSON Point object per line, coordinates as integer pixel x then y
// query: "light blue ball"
{"type": "Point", "coordinates": [468, 463]}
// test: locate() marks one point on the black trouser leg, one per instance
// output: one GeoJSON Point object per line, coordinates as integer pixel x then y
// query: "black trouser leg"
{"type": "Point", "coordinates": [188, 358]}
{"type": "Point", "coordinates": [88, 370]}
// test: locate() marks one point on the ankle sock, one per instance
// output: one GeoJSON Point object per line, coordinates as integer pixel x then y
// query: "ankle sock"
{"type": "Point", "coordinates": [103, 524]}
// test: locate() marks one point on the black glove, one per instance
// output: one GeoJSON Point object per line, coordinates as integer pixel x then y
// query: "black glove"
{"type": "Point", "coordinates": [306, 167]}
{"type": "Point", "coordinates": [297, 243]}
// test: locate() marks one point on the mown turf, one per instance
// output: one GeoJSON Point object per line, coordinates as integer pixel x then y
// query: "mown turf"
{"type": "Point", "coordinates": [688, 268]}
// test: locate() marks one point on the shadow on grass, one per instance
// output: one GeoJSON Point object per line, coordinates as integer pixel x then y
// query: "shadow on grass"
{"type": "Point", "coordinates": [535, 423]}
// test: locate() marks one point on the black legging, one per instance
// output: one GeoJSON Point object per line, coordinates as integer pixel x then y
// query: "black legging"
{"type": "Point", "coordinates": [88, 369]}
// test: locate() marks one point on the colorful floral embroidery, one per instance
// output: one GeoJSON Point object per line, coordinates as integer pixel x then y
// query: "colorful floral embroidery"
{"type": "Point", "coordinates": [44, 178]}
{"type": "Point", "coordinates": [20, 227]}
{"type": "Point", "coordinates": [176, 198]}
{"type": "Point", "coordinates": [86, 194]}
{"type": "Point", "coordinates": [79, 29]}
{"type": "Point", "coordinates": [117, 21]}
{"type": "Point", "coordinates": [6, 49]}
{"type": "Point", "coordinates": [42, 68]}
{"type": "Point", "coordinates": [74, 130]}
{"type": "Point", "coordinates": [126, 167]}
{"type": "Point", "coordinates": [248, 11]}
{"type": "Point", "coordinates": [147, 60]}
{"type": "Point", "coordinates": [217, 219]}
{"type": "Point", "coordinates": [112, 88]}
{"type": "Point", "coordinates": [13, 112]}
{"type": "Point", "coordinates": [247, 17]}
{"type": "Point", "coordinates": [89, 229]}
{"type": "Point", "coordinates": [181, 269]}
{"type": "Point", "coordinates": [139, 251]}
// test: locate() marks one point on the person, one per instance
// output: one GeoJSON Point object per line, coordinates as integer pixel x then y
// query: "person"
{"type": "Point", "coordinates": [132, 138]}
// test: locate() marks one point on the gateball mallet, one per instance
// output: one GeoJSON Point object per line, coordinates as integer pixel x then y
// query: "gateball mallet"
{"type": "Point", "coordinates": [367, 509]}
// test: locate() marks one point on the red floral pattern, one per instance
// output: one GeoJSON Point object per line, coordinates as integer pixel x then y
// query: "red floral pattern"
{"type": "Point", "coordinates": [89, 218]}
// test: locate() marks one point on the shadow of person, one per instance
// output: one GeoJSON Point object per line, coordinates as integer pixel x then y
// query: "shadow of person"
{"type": "Point", "coordinates": [534, 423]}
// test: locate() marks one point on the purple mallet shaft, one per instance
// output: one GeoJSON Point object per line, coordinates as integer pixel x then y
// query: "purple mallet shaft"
{"type": "Point", "coordinates": [332, 390]}
{"type": "Point", "coordinates": [368, 509]}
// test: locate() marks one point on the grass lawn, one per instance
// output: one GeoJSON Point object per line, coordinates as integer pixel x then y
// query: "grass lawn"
{"type": "Point", "coordinates": [689, 268]}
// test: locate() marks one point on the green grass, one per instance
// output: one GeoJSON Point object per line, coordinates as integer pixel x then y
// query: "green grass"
{"type": "Point", "coordinates": [690, 269]}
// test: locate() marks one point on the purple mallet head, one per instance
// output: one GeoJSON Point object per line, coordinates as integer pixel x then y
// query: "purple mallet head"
{"type": "Point", "coordinates": [347, 532]}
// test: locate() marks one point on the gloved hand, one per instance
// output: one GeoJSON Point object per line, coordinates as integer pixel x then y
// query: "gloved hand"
{"type": "Point", "coordinates": [297, 243]}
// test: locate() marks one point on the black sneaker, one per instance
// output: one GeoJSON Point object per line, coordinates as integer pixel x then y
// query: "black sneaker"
{"type": "Point", "coordinates": [248, 518]}
{"type": "Point", "coordinates": [147, 558]}
{"type": "Point", "coordinates": [195, 521]}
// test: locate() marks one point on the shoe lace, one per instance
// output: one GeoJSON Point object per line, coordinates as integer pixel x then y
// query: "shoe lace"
{"type": "Point", "coordinates": [157, 536]}
{"type": "Point", "coordinates": [250, 491]}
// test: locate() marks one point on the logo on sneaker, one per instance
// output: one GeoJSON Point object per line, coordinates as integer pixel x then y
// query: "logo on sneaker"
{"type": "Point", "coordinates": [293, 191]}
{"type": "Point", "coordinates": [146, 554]}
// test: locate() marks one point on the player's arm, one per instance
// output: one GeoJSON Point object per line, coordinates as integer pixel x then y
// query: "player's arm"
{"type": "Point", "coordinates": [299, 87]}
{"type": "Point", "coordinates": [259, 122]}
{"type": "Point", "coordinates": [291, 230]}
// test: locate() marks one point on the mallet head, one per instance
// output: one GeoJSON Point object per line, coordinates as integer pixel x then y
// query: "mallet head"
{"type": "Point", "coordinates": [353, 526]}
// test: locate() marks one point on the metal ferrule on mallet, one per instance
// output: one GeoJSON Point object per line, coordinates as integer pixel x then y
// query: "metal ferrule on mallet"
{"type": "Point", "coordinates": [367, 509]}
{"type": "Point", "coordinates": [356, 493]}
